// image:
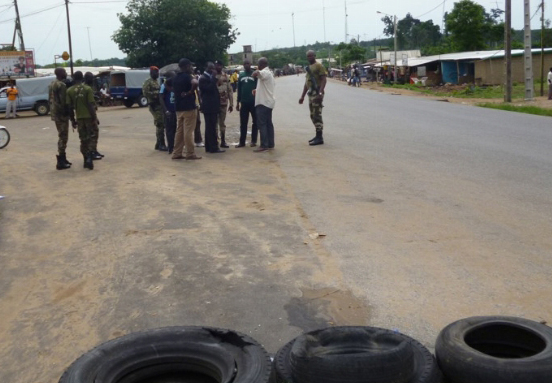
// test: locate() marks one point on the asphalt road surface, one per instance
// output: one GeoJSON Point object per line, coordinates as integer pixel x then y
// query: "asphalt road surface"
{"type": "Point", "coordinates": [430, 211]}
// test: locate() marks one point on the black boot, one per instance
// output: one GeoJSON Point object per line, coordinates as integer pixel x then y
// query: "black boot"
{"type": "Point", "coordinates": [62, 162]}
{"type": "Point", "coordinates": [99, 154]}
{"type": "Point", "coordinates": [312, 139]}
{"type": "Point", "coordinates": [223, 140]}
{"type": "Point", "coordinates": [156, 147]}
{"type": "Point", "coordinates": [96, 156]}
{"type": "Point", "coordinates": [318, 140]}
{"type": "Point", "coordinates": [161, 145]}
{"type": "Point", "coordinates": [88, 162]}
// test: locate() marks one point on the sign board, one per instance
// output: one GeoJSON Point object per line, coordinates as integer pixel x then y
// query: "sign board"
{"type": "Point", "coordinates": [404, 59]}
{"type": "Point", "coordinates": [392, 58]}
{"type": "Point", "coordinates": [17, 63]}
{"type": "Point", "coordinates": [65, 56]}
{"type": "Point", "coordinates": [421, 71]}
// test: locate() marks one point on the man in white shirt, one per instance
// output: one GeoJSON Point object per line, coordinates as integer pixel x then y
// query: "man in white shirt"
{"type": "Point", "coordinates": [550, 84]}
{"type": "Point", "coordinates": [264, 103]}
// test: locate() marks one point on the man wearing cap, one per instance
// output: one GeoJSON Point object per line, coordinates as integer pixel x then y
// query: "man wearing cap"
{"type": "Point", "coordinates": [151, 89]}
{"type": "Point", "coordinates": [186, 111]}
{"type": "Point", "coordinates": [80, 99]}
{"type": "Point", "coordinates": [226, 100]}
{"type": "Point", "coordinates": [210, 107]}
{"type": "Point", "coordinates": [59, 111]}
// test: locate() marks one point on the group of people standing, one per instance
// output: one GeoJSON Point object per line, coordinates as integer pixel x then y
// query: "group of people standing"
{"type": "Point", "coordinates": [175, 105]}
{"type": "Point", "coordinates": [74, 101]}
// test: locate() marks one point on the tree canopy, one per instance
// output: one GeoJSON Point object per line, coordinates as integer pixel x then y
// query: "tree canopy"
{"type": "Point", "coordinates": [160, 32]}
{"type": "Point", "coordinates": [467, 26]}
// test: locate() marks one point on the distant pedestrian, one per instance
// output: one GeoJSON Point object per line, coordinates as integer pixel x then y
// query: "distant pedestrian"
{"type": "Point", "coordinates": [264, 104]}
{"type": "Point", "coordinates": [186, 111]}
{"type": "Point", "coordinates": [226, 101]}
{"type": "Point", "coordinates": [80, 99]}
{"type": "Point", "coordinates": [550, 84]}
{"type": "Point", "coordinates": [197, 132]}
{"type": "Point", "coordinates": [151, 89]}
{"type": "Point", "coordinates": [245, 104]}
{"type": "Point", "coordinates": [89, 80]}
{"type": "Point", "coordinates": [11, 106]}
{"type": "Point", "coordinates": [59, 112]}
{"type": "Point", "coordinates": [314, 85]}
{"type": "Point", "coordinates": [210, 107]}
{"type": "Point", "coordinates": [234, 81]}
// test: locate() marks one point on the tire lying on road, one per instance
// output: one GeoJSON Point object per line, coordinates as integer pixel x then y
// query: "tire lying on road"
{"type": "Point", "coordinates": [354, 354]}
{"type": "Point", "coordinates": [173, 354]}
{"type": "Point", "coordinates": [495, 349]}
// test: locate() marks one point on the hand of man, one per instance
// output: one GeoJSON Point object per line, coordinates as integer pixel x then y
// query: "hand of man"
{"type": "Point", "coordinates": [254, 92]}
{"type": "Point", "coordinates": [97, 122]}
{"type": "Point", "coordinates": [230, 109]}
{"type": "Point", "coordinates": [320, 97]}
{"type": "Point", "coordinates": [301, 100]}
{"type": "Point", "coordinates": [238, 107]}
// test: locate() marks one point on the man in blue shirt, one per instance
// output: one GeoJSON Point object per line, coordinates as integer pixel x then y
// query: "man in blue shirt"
{"type": "Point", "coordinates": [186, 111]}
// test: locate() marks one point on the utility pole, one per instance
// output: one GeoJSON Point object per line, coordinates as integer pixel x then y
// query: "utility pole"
{"type": "Point", "coordinates": [89, 45]}
{"type": "Point", "coordinates": [528, 64]}
{"type": "Point", "coordinates": [542, 49]}
{"type": "Point", "coordinates": [396, 58]}
{"type": "Point", "coordinates": [324, 18]}
{"type": "Point", "coordinates": [293, 22]}
{"type": "Point", "coordinates": [346, 28]}
{"type": "Point", "coordinates": [18, 29]}
{"type": "Point", "coordinates": [508, 51]}
{"type": "Point", "coordinates": [69, 34]}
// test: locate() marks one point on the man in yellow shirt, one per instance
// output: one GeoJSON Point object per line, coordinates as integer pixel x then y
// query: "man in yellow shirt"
{"type": "Point", "coordinates": [234, 80]}
{"type": "Point", "coordinates": [12, 101]}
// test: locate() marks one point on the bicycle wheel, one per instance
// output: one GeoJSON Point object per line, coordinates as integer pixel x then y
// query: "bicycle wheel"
{"type": "Point", "coordinates": [4, 138]}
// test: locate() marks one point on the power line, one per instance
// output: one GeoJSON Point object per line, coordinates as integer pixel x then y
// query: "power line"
{"type": "Point", "coordinates": [49, 33]}
{"type": "Point", "coordinates": [31, 14]}
{"type": "Point", "coordinates": [422, 15]}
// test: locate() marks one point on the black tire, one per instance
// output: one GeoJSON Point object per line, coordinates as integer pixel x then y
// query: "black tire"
{"type": "Point", "coordinates": [142, 101]}
{"type": "Point", "coordinates": [4, 138]}
{"type": "Point", "coordinates": [128, 103]}
{"type": "Point", "coordinates": [187, 354]}
{"type": "Point", "coordinates": [42, 108]}
{"type": "Point", "coordinates": [495, 349]}
{"type": "Point", "coordinates": [423, 367]}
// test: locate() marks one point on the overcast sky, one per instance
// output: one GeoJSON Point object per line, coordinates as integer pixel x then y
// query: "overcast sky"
{"type": "Point", "coordinates": [264, 25]}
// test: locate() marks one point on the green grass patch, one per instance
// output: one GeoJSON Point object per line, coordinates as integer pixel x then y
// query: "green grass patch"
{"type": "Point", "coordinates": [468, 91]}
{"type": "Point", "coordinates": [521, 109]}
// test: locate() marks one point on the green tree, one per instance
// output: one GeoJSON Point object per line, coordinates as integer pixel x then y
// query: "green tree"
{"type": "Point", "coordinates": [351, 53]}
{"type": "Point", "coordinates": [467, 26]}
{"type": "Point", "coordinates": [160, 32]}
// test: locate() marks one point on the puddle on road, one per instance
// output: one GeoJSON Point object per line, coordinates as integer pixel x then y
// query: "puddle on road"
{"type": "Point", "coordinates": [326, 307]}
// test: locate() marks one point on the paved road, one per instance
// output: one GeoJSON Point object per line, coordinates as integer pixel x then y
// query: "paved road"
{"type": "Point", "coordinates": [431, 211]}
{"type": "Point", "coordinates": [436, 211]}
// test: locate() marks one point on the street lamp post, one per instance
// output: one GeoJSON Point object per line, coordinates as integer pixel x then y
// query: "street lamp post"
{"type": "Point", "coordinates": [395, 40]}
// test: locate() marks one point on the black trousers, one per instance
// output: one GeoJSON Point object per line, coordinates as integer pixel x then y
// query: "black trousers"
{"type": "Point", "coordinates": [266, 128]}
{"type": "Point", "coordinates": [211, 142]}
{"type": "Point", "coordinates": [197, 131]}
{"type": "Point", "coordinates": [170, 129]}
{"type": "Point", "coordinates": [245, 111]}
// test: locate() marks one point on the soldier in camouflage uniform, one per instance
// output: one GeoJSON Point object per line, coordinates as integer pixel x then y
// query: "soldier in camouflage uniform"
{"type": "Point", "coordinates": [89, 80]}
{"type": "Point", "coordinates": [314, 85]}
{"type": "Point", "coordinates": [226, 101]}
{"type": "Point", "coordinates": [60, 115]}
{"type": "Point", "coordinates": [80, 99]}
{"type": "Point", "coordinates": [151, 89]}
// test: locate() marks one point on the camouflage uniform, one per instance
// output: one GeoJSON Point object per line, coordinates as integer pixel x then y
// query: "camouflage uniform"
{"type": "Point", "coordinates": [226, 97]}
{"type": "Point", "coordinates": [59, 112]}
{"type": "Point", "coordinates": [77, 97]}
{"type": "Point", "coordinates": [151, 89]}
{"type": "Point", "coordinates": [317, 70]}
